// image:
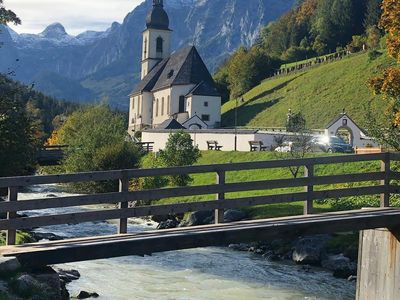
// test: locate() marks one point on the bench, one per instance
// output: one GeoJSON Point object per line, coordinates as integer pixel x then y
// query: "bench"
{"type": "Point", "coordinates": [257, 146]}
{"type": "Point", "coordinates": [213, 145]}
{"type": "Point", "coordinates": [146, 146]}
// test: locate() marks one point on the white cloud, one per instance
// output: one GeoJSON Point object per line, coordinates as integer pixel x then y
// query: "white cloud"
{"type": "Point", "coordinates": [76, 15]}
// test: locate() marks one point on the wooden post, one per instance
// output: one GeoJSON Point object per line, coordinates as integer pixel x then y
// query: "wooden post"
{"type": "Point", "coordinates": [385, 167]}
{"type": "Point", "coordinates": [123, 223]}
{"type": "Point", "coordinates": [11, 238]}
{"type": "Point", "coordinates": [219, 213]}
{"type": "Point", "coordinates": [309, 189]}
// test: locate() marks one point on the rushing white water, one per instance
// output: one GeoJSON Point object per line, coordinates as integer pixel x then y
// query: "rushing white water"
{"type": "Point", "coordinates": [206, 273]}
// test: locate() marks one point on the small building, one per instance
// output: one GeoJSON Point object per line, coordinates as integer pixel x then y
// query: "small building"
{"type": "Point", "coordinates": [173, 86]}
{"type": "Point", "coordinates": [344, 127]}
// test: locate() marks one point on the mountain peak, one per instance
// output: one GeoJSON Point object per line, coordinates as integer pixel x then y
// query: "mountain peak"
{"type": "Point", "coordinates": [55, 30]}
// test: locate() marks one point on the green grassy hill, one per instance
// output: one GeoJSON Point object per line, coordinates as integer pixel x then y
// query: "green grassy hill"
{"type": "Point", "coordinates": [320, 93]}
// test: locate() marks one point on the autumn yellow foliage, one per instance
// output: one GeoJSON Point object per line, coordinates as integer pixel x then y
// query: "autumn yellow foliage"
{"type": "Point", "coordinates": [390, 21]}
{"type": "Point", "coordinates": [53, 139]}
{"type": "Point", "coordinates": [388, 83]}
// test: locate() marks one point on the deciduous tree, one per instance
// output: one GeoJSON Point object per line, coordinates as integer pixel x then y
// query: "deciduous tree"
{"type": "Point", "coordinates": [388, 84]}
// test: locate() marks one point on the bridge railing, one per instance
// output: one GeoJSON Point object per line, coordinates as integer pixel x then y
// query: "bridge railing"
{"type": "Point", "coordinates": [375, 183]}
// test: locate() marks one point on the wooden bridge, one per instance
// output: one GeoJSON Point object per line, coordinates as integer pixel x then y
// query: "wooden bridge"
{"type": "Point", "coordinates": [381, 182]}
{"type": "Point", "coordinates": [51, 155]}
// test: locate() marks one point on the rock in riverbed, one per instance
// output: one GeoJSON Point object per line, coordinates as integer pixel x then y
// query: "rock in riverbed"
{"type": "Point", "coordinates": [9, 265]}
{"type": "Point", "coordinates": [86, 295]}
{"type": "Point", "coordinates": [67, 276]}
{"type": "Point", "coordinates": [233, 215]}
{"type": "Point", "coordinates": [310, 250]}
{"type": "Point", "coordinates": [341, 266]}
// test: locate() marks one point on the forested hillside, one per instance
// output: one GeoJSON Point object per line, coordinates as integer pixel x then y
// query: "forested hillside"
{"type": "Point", "coordinates": [26, 119]}
{"type": "Point", "coordinates": [40, 108]}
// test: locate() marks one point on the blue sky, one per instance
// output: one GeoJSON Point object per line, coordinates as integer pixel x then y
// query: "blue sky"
{"type": "Point", "coordinates": [76, 15]}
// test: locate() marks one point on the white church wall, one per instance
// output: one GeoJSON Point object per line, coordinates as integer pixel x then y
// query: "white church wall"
{"type": "Point", "coordinates": [147, 108]}
{"type": "Point", "coordinates": [206, 105]}
{"type": "Point", "coordinates": [132, 116]}
{"type": "Point", "coordinates": [161, 114]}
{"type": "Point", "coordinates": [176, 92]}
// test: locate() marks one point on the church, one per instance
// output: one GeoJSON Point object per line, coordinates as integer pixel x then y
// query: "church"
{"type": "Point", "coordinates": [176, 89]}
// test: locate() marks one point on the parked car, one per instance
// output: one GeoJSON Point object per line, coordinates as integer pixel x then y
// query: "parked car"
{"type": "Point", "coordinates": [332, 144]}
{"type": "Point", "coordinates": [286, 147]}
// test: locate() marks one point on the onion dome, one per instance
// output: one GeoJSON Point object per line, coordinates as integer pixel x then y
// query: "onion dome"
{"type": "Point", "coordinates": [157, 18]}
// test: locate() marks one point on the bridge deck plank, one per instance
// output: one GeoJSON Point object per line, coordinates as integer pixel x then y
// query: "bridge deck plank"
{"type": "Point", "coordinates": [82, 249]}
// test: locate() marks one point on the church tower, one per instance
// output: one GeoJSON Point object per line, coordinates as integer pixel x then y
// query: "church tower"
{"type": "Point", "coordinates": [156, 38]}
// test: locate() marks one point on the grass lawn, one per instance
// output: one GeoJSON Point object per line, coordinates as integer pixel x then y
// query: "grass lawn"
{"type": "Point", "coordinates": [22, 238]}
{"type": "Point", "coordinates": [266, 211]}
{"type": "Point", "coordinates": [320, 93]}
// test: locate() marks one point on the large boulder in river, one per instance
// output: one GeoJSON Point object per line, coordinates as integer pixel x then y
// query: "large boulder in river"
{"type": "Point", "coordinates": [26, 285]}
{"type": "Point", "coordinates": [200, 218]}
{"type": "Point", "coordinates": [86, 295]}
{"type": "Point", "coordinates": [233, 215]}
{"type": "Point", "coordinates": [341, 266]}
{"type": "Point", "coordinates": [310, 250]}
{"type": "Point", "coordinates": [168, 224]}
{"type": "Point", "coordinates": [9, 265]}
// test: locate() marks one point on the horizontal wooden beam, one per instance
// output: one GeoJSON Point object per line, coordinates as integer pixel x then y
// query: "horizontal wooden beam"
{"type": "Point", "coordinates": [395, 189]}
{"type": "Point", "coordinates": [394, 156]}
{"type": "Point", "coordinates": [48, 253]}
{"type": "Point", "coordinates": [137, 173]}
{"type": "Point", "coordinates": [97, 215]}
{"type": "Point", "coordinates": [148, 195]}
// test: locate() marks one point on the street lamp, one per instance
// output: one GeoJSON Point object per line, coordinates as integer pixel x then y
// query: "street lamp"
{"type": "Point", "coordinates": [236, 108]}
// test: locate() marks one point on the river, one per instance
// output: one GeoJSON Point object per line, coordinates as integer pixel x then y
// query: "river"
{"type": "Point", "coordinates": [197, 274]}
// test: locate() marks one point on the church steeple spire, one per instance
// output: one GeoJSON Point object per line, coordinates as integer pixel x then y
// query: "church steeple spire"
{"type": "Point", "coordinates": [158, 3]}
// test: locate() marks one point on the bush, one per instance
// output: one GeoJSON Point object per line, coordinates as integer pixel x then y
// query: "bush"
{"type": "Point", "coordinates": [152, 161]}
{"type": "Point", "coordinates": [96, 139]}
{"type": "Point", "coordinates": [179, 151]}
{"type": "Point", "coordinates": [373, 54]}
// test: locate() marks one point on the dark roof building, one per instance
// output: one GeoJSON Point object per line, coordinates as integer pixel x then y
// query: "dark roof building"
{"type": "Point", "coordinates": [183, 67]}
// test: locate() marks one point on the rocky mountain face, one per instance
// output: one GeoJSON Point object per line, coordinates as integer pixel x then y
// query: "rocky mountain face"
{"type": "Point", "coordinates": [97, 65]}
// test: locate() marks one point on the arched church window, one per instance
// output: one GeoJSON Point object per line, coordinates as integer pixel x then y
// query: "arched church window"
{"type": "Point", "coordinates": [181, 104]}
{"type": "Point", "coordinates": [145, 48]}
{"type": "Point", "coordinates": [162, 106]}
{"type": "Point", "coordinates": [168, 105]}
{"type": "Point", "coordinates": [159, 45]}
{"type": "Point", "coordinates": [157, 107]}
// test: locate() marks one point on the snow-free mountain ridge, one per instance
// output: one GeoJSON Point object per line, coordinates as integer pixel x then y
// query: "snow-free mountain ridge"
{"type": "Point", "coordinates": [97, 65]}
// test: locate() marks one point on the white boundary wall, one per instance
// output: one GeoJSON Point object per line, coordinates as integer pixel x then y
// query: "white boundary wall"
{"type": "Point", "coordinates": [225, 138]}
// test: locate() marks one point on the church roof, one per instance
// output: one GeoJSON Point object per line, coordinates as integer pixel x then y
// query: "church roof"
{"type": "Point", "coordinates": [148, 82]}
{"type": "Point", "coordinates": [157, 18]}
{"type": "Point", "coordinates": [183, 67]}
{"type": "Point", "coordinates": [204, 89]}
{"type": "Point", "coordinates": [170, 124]}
